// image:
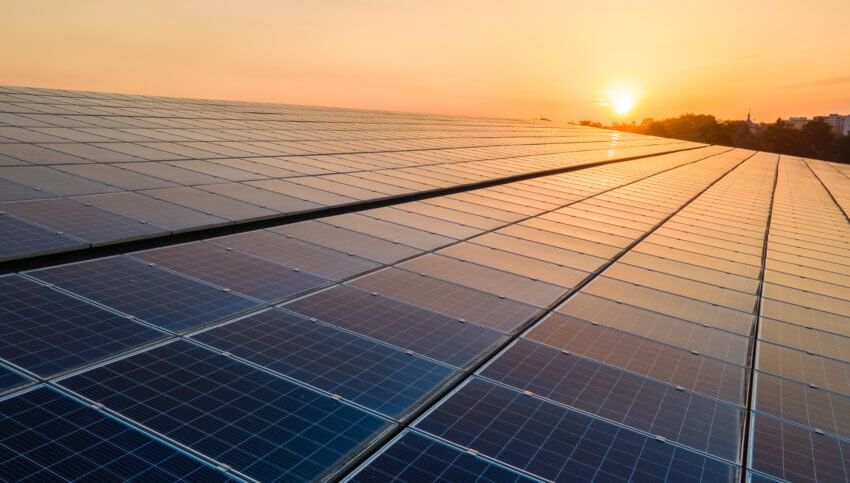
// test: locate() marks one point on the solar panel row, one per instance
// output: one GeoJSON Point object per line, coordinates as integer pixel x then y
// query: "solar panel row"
{"type": "Point", "coordinates": [802, 380]}
{"type": "Point", "coordinates": [109, 168]}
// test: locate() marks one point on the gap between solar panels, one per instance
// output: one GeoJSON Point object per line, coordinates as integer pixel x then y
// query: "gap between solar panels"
{"type": "Point", "coordinates": [469, 372]}
{"type": "Point", "coordinates": [753, 356]}
{"type": "Point", "coordinates": [88, 253]}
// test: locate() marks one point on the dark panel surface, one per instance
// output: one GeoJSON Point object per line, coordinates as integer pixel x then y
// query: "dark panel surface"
{"type": "Point", "coordinates": [404, 325]}
{"type": "Point", "coordinates": [45, 436]}
{"type": "Point", "coordinates": [47, 332]}
{"type": "Point", "coordinates": [257, 423]}
{"type": "Point", "coordinates": [152, 294]}
{"type": "Point", "coordinates": [361, 370]}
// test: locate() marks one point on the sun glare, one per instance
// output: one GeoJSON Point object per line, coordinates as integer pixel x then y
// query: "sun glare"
{"type": "Point", "coordinates": [623, 103]}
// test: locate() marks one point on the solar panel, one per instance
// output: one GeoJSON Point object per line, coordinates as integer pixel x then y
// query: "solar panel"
{"type": "Point", "coordinates": [517, 287]}
{"type": "Point", "coordinates": [88, 223]}
{"type": "Point", "coordinates": [415, 457]}
{"type": "Point", "coordinates": [320, 261]}
{"type": "Point", "coordinates": [349, 241]}
{"type": "Point", "coordinates": [790, 452]}
{"type": "Point", "coordinates": [408, 326]}
{"type": "Point", "coordinates": [453, 300]}
{"type": "Point", "coordinates": [361, 370]}
{"type": "Point", "coordinates": [674, 365]}
{"type": "Point", "coordinates": [146, 292]}
{"type": "Point", "coordinates": [557, 443]}
{"type": "Point", "coordinates": [236, 271]}
{"type": "Point", "coordinates": [46, 435]}
{"type": "Point", "coordinates": [157, 212]}
{"type": "Point", "coordinates": [691, 419]}
{"type": "Point", "coordinates": [258, 424]}
{"type": "Point", "coordinates": [47, 332]}
{"type": "Point", "coordinates": [22, 239]}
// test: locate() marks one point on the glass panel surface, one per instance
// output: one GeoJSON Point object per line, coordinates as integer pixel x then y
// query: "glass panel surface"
{"type": "Point", "coordinates": [453, 300]}
{"type": "Point", "coordinates": [404, 325]}
{"type": "Point", "coordinates": [152, 294]}
{"type": "Point", "coordinates": [637, 402]}
{"type": "Point", "coordinates": [558, 444]}
{"type": "Point", "coordinates": [321, 261]}
{"type": "Point", "coordinates": [369, 373]}
{"type": "Point", "coordinates": [257, 423]}
{"type": "Point", "coordinates": [74, 440]}
{"type": "Point", "coordinates": [415, 457]}
{"type": "Point", "coordinates": [47, 332]}
{"type": "Point", "coordinates": [626, 351]}
{"type": "Point", "coordinates": [22, 239]}
{"type": "Point", "coordinates": [236, 271]}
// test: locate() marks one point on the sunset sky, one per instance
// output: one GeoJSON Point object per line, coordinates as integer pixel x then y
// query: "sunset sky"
{"type": "Point", "coordinates": [523, 59]}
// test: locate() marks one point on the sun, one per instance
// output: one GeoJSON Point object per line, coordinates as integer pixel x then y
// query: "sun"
{"type": "Point", "coordinates": [623, 103]}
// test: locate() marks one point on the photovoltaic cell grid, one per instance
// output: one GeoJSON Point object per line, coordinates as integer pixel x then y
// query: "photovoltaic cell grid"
{"type": "Point", "coordinates": [47, 332]}
{"type": "Point", "coordinates": [45, 435]}
{"type": "Point", "coordinates": [258, 424]}
{"type": "Point", "coordinates": [652, 356]}
{"type": "Point", "coordinates": [415, 457]}
{"type": "Point", "coordinates": [84, 162]}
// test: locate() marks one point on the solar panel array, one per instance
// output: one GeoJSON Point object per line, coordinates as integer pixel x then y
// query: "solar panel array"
{"type": "Point", "coordinates": [80, 168]}
{"type": "Point", "coordinates": [679, 315]}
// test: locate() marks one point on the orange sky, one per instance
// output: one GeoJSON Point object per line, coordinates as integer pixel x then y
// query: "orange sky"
{"type": "Point", "coordinates": [511, 59]}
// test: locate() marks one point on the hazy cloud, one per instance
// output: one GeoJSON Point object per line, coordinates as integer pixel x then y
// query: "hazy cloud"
{"type": "Point", "coordinates": [830, 81]}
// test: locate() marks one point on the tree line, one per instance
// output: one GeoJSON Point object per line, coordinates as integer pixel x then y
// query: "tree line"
{"type": "Point", "coordinates": [814, 140]}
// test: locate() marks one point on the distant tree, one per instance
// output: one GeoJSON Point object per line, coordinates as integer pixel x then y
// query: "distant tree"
{"type": "Point", "coordinates": [585, 122]}
{"type": "Point", "coordinates": [656, 128]}
{"type": "Point", "coordinates": [781, 137]}
{"type": "Point", "coordinates": [736, 133]}
{"type": "Point", "coordinates": [842, 150]}
{"type": "Point", "coordinates": [818, 139]}
{"type": "Point", "coordinates": [814, 140]}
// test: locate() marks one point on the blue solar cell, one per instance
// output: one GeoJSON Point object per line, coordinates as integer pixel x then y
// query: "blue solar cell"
{"type": "Point", "coordinates": [46, 436]}
{"type": "Point", "coordinates": [10, 379]}
{"type": "Point", "coordinates": [22, 239]}
{"type": "Point", "coordinates": [155, 295]}
{"type": "Point", "coordinates": [688, 418]}
{"type": "Point", "coordinates": [259, 424]}
{"type": "Point", "coordinates": [237, 271]}
{"type": "Point", "coordinates": [361, 370]}
{"type": "Point", "coordinates": [558, 444]}
{"type": "Point", "coordinates": [414, 458]}
{"type": "Point", "coordinates": [404, 325]}
{"type": "Point", "coordinates": [47, 332]}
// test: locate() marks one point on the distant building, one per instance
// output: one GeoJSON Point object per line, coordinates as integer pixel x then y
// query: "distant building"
{"type": "Point", "coordinates": [797, 122]}
{"type": "Point", "coordinates": [840, 124]}
{"type": "Point", "coordinates": [835, 121]}
{"type": "Point", "coordinates": [750, 123]}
